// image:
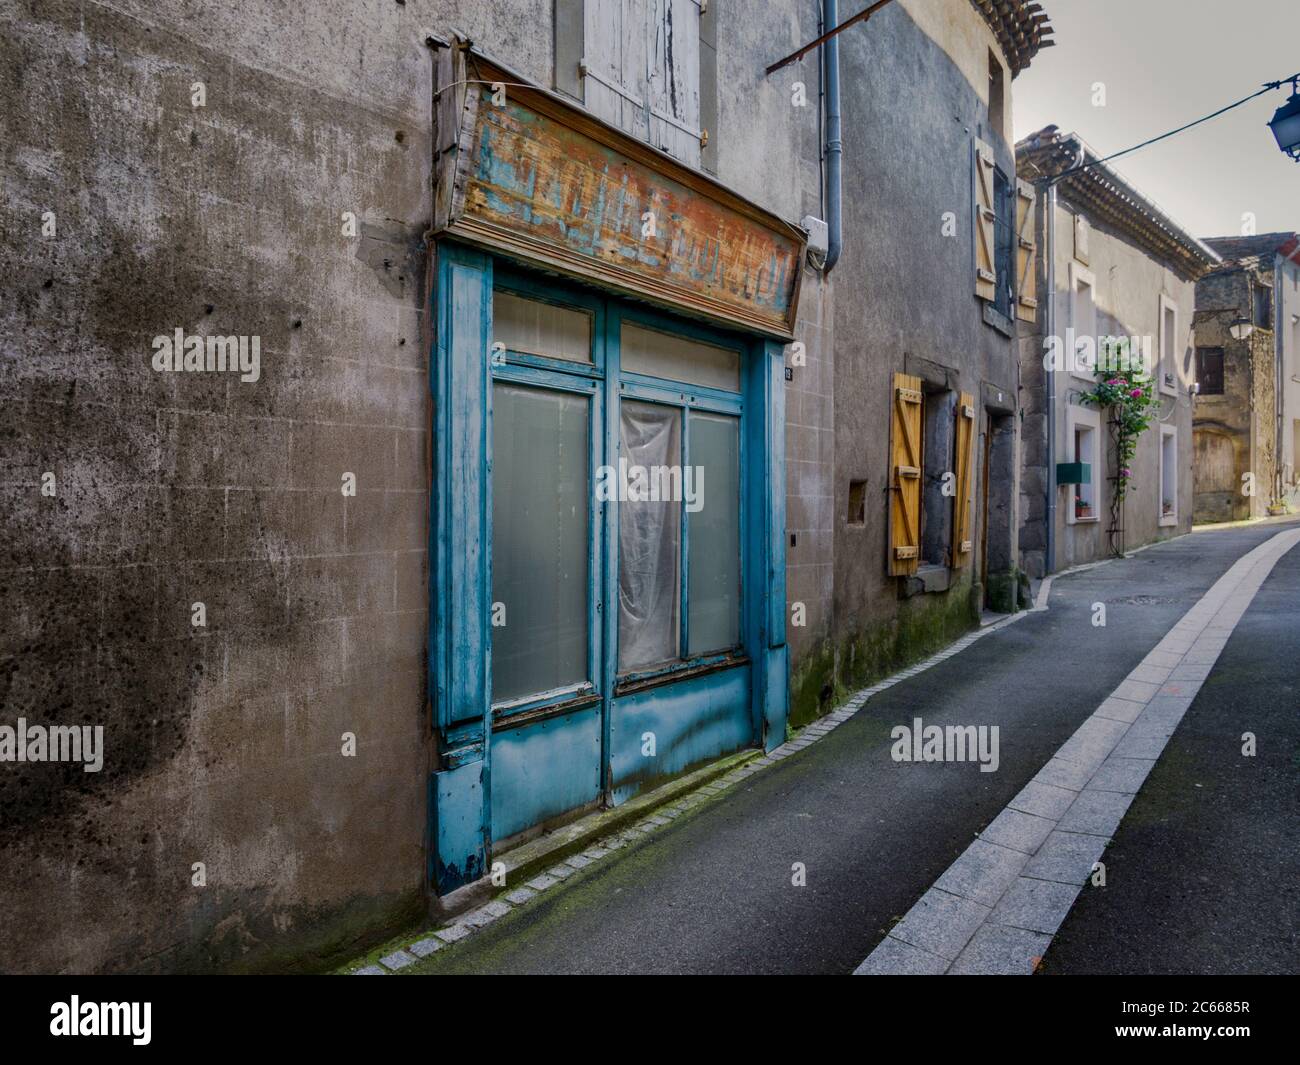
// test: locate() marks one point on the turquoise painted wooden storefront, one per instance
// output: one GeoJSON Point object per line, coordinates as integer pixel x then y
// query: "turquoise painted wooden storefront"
{"type": "Point", "coordinates": [607, 576]}
{"type": "Point", "coordinates": [585, 645]}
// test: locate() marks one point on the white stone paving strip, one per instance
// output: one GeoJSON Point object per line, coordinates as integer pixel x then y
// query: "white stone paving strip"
{"type": "Point", "coordinates": [997, 907]}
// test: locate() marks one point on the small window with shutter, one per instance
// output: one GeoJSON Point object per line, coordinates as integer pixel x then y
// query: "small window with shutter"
{"type": "Point", "coordinates": [1026, 265]}
{"type": "Point", "coordinates": [905, 475]}
{"type": "Point", "coordinates": [1209, 371]}
{"type": "Point", "coordinates": [964, 454]}
{"type": "Point", "coordinates": [985, 223]}
{"type": "Point", "coordinates": [931, 448]}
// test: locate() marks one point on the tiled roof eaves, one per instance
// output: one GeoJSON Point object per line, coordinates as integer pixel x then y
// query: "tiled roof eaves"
{"type": "Point", "coordinates": [1113, 199]}
{"type": "Point", "coordinates": [1021, 27]}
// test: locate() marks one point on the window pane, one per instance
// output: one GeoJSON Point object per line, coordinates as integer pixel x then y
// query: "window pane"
{"type": "Point", "coordinates": [678, 359]}
{"type": "Point", "coordinates": [538, 328]}
{"type": "Point", "coordinates": [1004, 205]}
{"type": "Point", "coordinates": [649, 538]}
{"type": "Point", "coordinates": [1085, 325]}
{"type": "Point", "coordinates": [1209, 371]}
{"type": "Point", "coordinates": [540, 493]}
{"type": "Point", "coordinates": [1168, 475]}
{"type": "Point", "coordinates": [713, 570]}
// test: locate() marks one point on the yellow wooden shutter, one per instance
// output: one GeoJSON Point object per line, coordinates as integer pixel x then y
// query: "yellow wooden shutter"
{"type": "Point", "coordinates": [961, 538]}
{"type": "Point", "coordinates": [1026, 268]}
{"type": "Point", "coordinates": [905, 475]}
{"type": "Point", "coordinates": [986, 274]}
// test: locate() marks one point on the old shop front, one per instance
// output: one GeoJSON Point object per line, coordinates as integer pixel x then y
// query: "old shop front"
{"type": "Point", "coordinates": [607, 566]}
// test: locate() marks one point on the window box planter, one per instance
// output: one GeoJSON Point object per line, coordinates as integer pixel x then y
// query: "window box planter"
{"type": "Point", "coordinates": [1074, 473]}
{"type": "Point", "coordinates": [1083, 510]}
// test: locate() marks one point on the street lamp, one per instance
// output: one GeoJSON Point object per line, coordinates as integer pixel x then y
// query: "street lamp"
{"type": "Point", "coordinates": [1241, 327]}
{"type": "Point", "coordinates": [1286, 123]}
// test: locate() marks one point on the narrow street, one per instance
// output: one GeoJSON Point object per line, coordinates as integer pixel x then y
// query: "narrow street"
{"type": "Point", "coordinates": [714, 893]}
{"type": "Point", "coordinates": [1196, 874]}
{"type": "Point", "coordinates": [649, 487]}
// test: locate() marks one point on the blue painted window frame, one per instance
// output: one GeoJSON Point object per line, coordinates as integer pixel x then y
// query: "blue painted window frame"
{"type": "Point", "coordinates": [459, 653]}
{"type": "Point", "coordinates": [608, 315]}
{"type": "Point", "coordinates": [564, 375]}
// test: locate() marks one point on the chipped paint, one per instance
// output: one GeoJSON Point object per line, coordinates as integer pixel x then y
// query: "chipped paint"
{"type": "Point", "coordinates": [546, 183]}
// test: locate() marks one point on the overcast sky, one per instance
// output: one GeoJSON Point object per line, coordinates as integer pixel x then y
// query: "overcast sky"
{"type": "Point", "coordinates": [1163, 64]}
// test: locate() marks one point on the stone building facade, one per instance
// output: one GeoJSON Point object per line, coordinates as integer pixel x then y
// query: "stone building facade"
{"type": "Point", "coordinates": [934, 288]}
{"type": "Point", "coordinates": [1246, 423]}
{"type": "Point", "coordinates": [1112, 264]}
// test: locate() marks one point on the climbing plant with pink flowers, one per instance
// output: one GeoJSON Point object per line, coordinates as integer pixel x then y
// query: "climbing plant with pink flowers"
{"type": "Point", "coordinates": [1130, 397]}
{"type": "Point", "coordinates": [1128, 394]}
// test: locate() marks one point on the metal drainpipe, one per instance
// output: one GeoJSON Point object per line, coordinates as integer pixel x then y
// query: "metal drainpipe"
{"type": "Point", "coordinates": [1279, 379]}
{"type": "Point", "coordinates": [834, 148]}
{"type": "Point", "coordinates": [1051, 381]}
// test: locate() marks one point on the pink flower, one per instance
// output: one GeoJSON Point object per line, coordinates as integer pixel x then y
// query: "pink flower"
{"type": "Point", "coordinates": [1136, 393]}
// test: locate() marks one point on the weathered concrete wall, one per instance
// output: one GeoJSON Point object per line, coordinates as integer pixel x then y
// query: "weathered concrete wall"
{"type": "Point", "coordinates": [767, 148]}
{"type": "Point", "coordinates": [911, 305]}
{"type": "Point", "coordinates": [223, 743]}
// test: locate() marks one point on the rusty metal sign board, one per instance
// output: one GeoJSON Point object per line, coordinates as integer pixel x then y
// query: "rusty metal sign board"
{"type": "Point", "coordinates": [519, 170]}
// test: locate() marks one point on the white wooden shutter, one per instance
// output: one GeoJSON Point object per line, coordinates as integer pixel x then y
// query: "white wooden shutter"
{"type": "Point", "coordinates": [641, 70]}
{"type": "Point", "coordinates": [613, 64]}
{"type": "Point", "coordinates": [673, 77]}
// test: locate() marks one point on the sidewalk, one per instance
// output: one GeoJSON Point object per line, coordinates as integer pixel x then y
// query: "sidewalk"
{"type": "Point", "coordinates": [804, 865]}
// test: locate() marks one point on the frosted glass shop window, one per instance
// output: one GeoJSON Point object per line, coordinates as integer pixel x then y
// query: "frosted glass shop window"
{"type": "Point", "coordinates": [537, 328]}
{"type": "Point", "coordinates": [713, 564]}
{"type": "Point", "coordinates": [540, 574]}
{"type": "Point", "coordinates": [676, 358]}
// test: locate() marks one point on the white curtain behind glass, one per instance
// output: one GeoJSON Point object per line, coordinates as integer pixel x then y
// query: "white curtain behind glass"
{"type": "Point", "coordinates": [649, 541]}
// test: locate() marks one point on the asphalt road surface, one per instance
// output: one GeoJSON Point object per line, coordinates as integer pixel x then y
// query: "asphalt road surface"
{"type": "Point", "coordinates": [1200, 878]}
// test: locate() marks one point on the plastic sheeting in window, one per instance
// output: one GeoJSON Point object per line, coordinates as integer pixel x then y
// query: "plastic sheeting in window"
{"type": "Point", "coordinates": [649, 543]}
